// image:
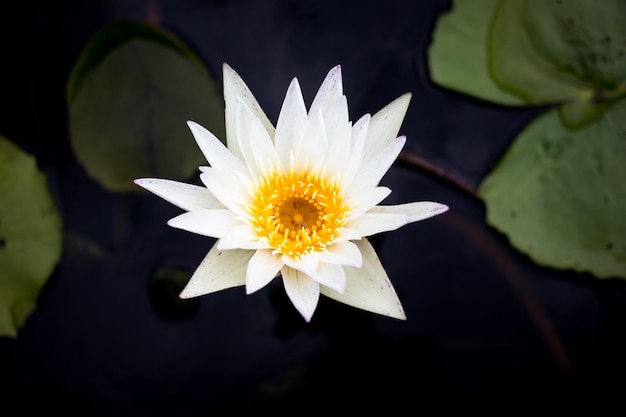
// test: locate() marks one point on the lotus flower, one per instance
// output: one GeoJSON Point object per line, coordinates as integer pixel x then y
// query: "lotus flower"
{"type": "Point", "coordinates": [296, 201]}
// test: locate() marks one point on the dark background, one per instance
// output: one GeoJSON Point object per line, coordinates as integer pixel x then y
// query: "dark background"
{"type": "Point", "coordinates": [487, 330]}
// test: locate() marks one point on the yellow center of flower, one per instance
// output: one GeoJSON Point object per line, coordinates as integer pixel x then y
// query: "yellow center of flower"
{"type": "Point", "coordinates": [297, 213]}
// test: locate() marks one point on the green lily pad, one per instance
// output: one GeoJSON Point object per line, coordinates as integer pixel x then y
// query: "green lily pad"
{"type": "Point", "coordinates": [458, 54]}
{"type": "Point", "coordinates": [567, 52]}
{"type": "Point", "coordinates": [584, 38]}
{"type": "Point", "coordinates": [130, 95]}
{"type": "Point", "coordinates": [30, 236]}
{"type": "Point", "coordinates": [559, 195]}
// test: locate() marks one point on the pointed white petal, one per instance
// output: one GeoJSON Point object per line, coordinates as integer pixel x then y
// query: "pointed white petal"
{"type": "Point", "coordinates": [217, 271]}
{"type": "Point", "coordinates": [368, 287]}
{"type": "Point", "coordinates": [342, 253]}
{"type": "Point", "coordinates": [312, 146]}
{"type": "Point", "coordinates": [358, 136]}
{"type": "Point", "coordinates": [235, 87]}
{"type": "Point", "coordinates": [384, 218]}
{"type": "Point", "coordinates": [415, 211]}
{"type": "Point", "coordinates": [331, 276]}
{"type": "Point", "coordinates": [292, 121]}
{"type": "Point", "coordinates": [227, 187]}
{"type": "Point", "coordinates": [262, 268]}
{"type": "Point", "coordinates": [214, 150]}
{"type": "Point", "coordinates": [242, 237]}
{"type": "Point", "coordinates": [372, 170]}
{"type": "Point", "coordinates": [186, 196]}
{"type": "Point", "coordinates": [254, 142]}
{"type": "Point", "coordinates": [370, 224]}
{"type": "Point", "coordinates": [347, 233]}
{"type": "Point", "coordinates": [385, 125]}
{"type": "Point", "coordinates": [364, 201]}
{"type": "Point", "coordinates": [339, 132]}
{"type": "Point", "coordinates": [246, 182]}
{"type": "Point", "coordinates": [303, 292]}
{"type": "Point", "coordinates": [212, 223]}
{"type": "Point", "coordinates": [307, 263]}
{"type": "Point", "coordinates": [337, 120]}
{"type": "Point", "coordinates": [329, 90]}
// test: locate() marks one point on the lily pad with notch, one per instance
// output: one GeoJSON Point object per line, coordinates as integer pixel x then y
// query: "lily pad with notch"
{"type": "Point", "coordinates": [130, 95]}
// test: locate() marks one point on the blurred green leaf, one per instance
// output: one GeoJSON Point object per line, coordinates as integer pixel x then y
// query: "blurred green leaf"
{"type": "Point", "coordinates": [579, 113]}
{"type": "Point", "coordinates": [515, 52]}
{"type": "Point", "coordinates": [30, 236]}
{"type": "Point", "coordinates": [518, 67]}
{"type": "Point", "coordinates": [130, 95]}
{"type": "Point", "coordinates": [457, 57]}
{"type": "Point", "coordinates": [560, 195]}
{"type": "Point", "coordinates": [565, 51]}
{"type": "Point", "coordinates": [583, 38]}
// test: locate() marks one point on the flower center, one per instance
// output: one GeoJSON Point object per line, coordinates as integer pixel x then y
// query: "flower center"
{"type": "Point", "coordinates": [297, 213]}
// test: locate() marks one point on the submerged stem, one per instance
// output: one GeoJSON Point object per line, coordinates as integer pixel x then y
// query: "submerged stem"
{"type": "Point", "coordinates": [423, 164]}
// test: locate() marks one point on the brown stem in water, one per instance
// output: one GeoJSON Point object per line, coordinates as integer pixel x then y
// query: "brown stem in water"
{"type": "Point", "coordinates": [424, 165]}
{"type": "Point", "coordinates": [502, 261]}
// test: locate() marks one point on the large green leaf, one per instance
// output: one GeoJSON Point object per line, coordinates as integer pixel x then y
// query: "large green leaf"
{"type": "Point", "coordinates": [584, 38]}
{"type": "Point", "coordinates": [30, 236]}
{"type": "Point", "coordinates": [519, 67]}
{"type": "Point", "coordinates": [567, 51]}
{"type": "Point", "coordinates": [560, 195]}
{"type": "Point", "coordinates": [457, 56]}
{"type": "Point", "coordinates": [130, 95]}
{"type": "Point", "coordinates": [516, 52]}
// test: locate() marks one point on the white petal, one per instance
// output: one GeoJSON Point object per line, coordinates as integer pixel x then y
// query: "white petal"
{"type": "Point", "coordinates": [292, 121]}
{"type": "Point", "coordinates": [385, 125]}
{"type": "Point", "coordinates": [358, 136]}
{"type": "Point", "coordinates": [331, 276]}
{"type": "Point", "coordinates": [217, 271]}
{"type": "Point", "coordinates": [385, 218]}
{"type": "Point", "coordinates": [369, 288]}
{"type": "Point", "coordinates": [347, 233]}
{"type": "Point", "coordinates": [254, 142]}
{"type": "Point", "coordinates": [329, 90]}
{"type": "Point", "coordinates": [365, 200]}
{"type": "Point", "coordinates": [337, 119]}
{"type": "Point", "coordinates": [262, 268]}
{"type": "Point", "coordinates": [303, 292]}
{"type": "Point", "coordinates": [307, 263]}
{"type": "Point", "coordinates": [372, 170]}
{"type": "Point", "coordinates": [213, 223]}
{"type": "Point", "coordinates": [227, 187]}
{"type": "Point", "coordinates": [418, 210]}
{"type": "Point", "coordinates": [311, 149]}
{"type": "Point", "coordinates": [214, 150]}
{"type": "Point", "coordinates": [186, 196]}
{"type": "Point", "coordinates": [338, 132]}
{"type": "Point", "coordinates": [342, 253]}
{"type": "Point", "coordinates": [235, 87]}
{"type": "Point", "coordinates": [242, 237]}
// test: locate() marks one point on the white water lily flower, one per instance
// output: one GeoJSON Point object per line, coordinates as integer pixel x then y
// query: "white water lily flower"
{"type": "Point", "coordinates": [296, 201]}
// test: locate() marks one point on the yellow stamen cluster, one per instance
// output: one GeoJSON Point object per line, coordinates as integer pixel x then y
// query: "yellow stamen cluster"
{"type": "Point", "coordinates": [297, 213]}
